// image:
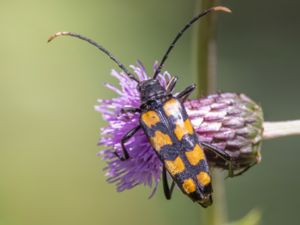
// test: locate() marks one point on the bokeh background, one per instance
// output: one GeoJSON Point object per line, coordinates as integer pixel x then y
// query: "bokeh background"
{"type": "Point", "coordinates": [49, 172]}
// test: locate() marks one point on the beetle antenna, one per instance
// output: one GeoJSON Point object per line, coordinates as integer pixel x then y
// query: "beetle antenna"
{"type": "Point", "coordinates": [102, 49]}
{"type": "Point", "coordinates": [181, 32]}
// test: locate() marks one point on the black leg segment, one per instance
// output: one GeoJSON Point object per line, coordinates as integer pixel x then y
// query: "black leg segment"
{"type": "Point", "coordinates": [217, 151]}
{"type": "Point", "coordinates": [244, 170]}
{"type": "Point", "coordinates": [183, 95]}
{"type": "Point", "coordinates": [221, 154]}
{"type": "Point", "coordinates": [124, 140]}
{"type": "Point", "coordinates": [228, 159]}
{"type": "Point", "coordinates": [130, 110]}
{"type": "Point", "coordinates": [167, 190]}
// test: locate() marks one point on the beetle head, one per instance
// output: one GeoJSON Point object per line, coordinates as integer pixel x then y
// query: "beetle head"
{"type": "Point", "coordinates": [151, 89]}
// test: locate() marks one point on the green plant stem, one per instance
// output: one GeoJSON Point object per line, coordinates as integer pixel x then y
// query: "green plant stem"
{"type": "Point", "coordinates": [206, 55]}
{"type": "Point", "coordinates": [206, 83]}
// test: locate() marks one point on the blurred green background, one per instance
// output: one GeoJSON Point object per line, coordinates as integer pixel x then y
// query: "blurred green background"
{"type": "Point", "coordinates": [49, 172]}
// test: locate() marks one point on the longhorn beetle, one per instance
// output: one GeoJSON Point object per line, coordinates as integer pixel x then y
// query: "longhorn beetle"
{"type": "Point", "coordinates": [168, 128]}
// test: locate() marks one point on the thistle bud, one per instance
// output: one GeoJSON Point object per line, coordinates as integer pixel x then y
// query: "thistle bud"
{"type": "Point", "coordinates": [231, 122]}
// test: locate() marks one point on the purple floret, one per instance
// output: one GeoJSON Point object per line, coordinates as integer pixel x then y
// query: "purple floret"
{"type": "Point", "coordinates": [143, 167]}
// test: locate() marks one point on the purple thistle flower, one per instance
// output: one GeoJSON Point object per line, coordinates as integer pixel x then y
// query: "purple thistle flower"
{"type": "Point", "coordinates": [232, 122]}
{"type": "Point", "coordinates": [144, 166]}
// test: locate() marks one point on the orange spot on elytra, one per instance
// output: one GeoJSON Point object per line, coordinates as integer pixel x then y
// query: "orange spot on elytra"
{"type": "Point", "coordinates": [172, 107]}
{"type": "Point", "coordinates": [195, 155]}
{"type": "Point", "coordinates": [159, 140]}
{"type": "Point", "coordinates": [175, 167]}
{"type": "Point", "coordinates": [183, 128]}
{"type": "Point", "coordinates": [203, 178]}
{"type": "Point", "coordinates": [150, 118]}
{"type": "Point", "coordinates": [189, 185]}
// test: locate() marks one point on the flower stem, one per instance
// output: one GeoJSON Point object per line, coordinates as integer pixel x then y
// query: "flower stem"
{"type": "Point", "coordinates": [207, 83]}
{"type": "Point", "coordinates": [281, 129]}
{"type": "Point", "coordinates": [207, 61]}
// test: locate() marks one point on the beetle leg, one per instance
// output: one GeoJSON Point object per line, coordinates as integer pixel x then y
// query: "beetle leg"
{"type": "Point", "coordinates": [124, 140]}
{"type": "Point", "coordinates": [183, 95]}
{"type": "Point", "coordinates": [217, 151]}
{"type": "Point", "coordinates": [167, 190]}
{"type": "Point", "coordinates": [227, 158]}
{"type": "Point", "coordinates": [244, 170]}
{"type": "Point", "coordinates": [223, 155]}
{"type": "Point", "coordinates": [171, 84]}
{"type": "Point", "coordinates": [130, 110]}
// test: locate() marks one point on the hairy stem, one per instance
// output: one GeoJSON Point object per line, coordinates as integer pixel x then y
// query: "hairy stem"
{"type": "Point", "coordinates": [281, 129]}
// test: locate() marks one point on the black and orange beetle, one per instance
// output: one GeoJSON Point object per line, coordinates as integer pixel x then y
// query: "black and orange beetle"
{"type": "Point", "coordinates": [168, 128]}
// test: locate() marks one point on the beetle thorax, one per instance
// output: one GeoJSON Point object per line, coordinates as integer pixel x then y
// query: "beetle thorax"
{"type": "Point", "coordinates": [151, 90]}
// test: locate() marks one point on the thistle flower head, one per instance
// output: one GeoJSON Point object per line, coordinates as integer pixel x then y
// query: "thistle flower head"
{"type": "Point", "coordinates": [231, 122]}
{"type": "Point", "coordinates": [143, 167]}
